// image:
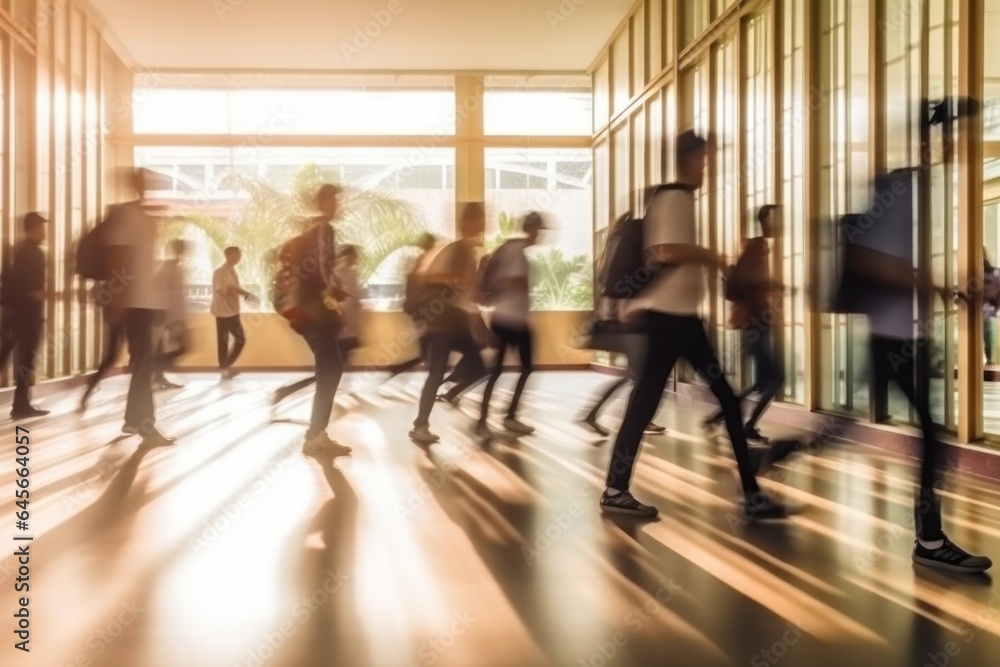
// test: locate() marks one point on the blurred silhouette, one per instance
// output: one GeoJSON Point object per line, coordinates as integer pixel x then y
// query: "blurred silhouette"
{"type": "Point", "coordinates": [172, 341]}
{"type": "Point", "coordinates": [445, 304]}
{"type": "Point", "coordinates": [428, 245]}
{"type": "Point", "coordinates": [226, 293]}
{"type": "Point", "coordinates": [991, 302]}
{"type": "Point", "coordinates": [22, 296]}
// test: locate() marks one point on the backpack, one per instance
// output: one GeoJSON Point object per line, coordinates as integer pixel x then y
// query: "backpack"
{"type": "Point", "coordinates": [626, 272]}
{"type": "Point", "coordinates": [849, 287]}
{"type": "Point", "coordinates": [293, 294]}
{"type": "Point", "coordinates": [734, 285]}
{"type": "Point", "coordinates": [487, 289]}
{"type": "Point", "coordinates": [92, 260]}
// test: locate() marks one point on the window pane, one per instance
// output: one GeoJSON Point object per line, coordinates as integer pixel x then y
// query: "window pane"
{"type": "Point", "coordinates": [534, 112]}
{"type": "Point", "coordinates": [254, 199]}
{"type": "Point", "coordinates": [559, 183]}
{"type": "Point", "coordinates": [284, 111]}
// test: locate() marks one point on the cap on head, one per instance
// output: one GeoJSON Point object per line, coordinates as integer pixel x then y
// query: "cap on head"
{"type": "Point", "coordinates": [33, 221]}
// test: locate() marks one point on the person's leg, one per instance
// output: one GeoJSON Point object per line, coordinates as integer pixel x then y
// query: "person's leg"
{"type": "Point", "coordinates": [698, 351]}
{"type": "Point", "coordinates": [880, 385]}
{"type": "Point", "coordinates": [504, 342]}
{"type": "Point", "coordinates": [8, 335]}
{"type": "Point", "coordinates": [27, 337]}
{"type": "Point", "coordinates": [139, 409]}
{"type": "Point", "coordinates": [645, 398]}
{"type": "Point", "coordinates": [604, 398]}
{"type": "Point", "coordinates": [114, 337]}
{"type": "Point", "coordinates": [523, 340]}
{"type": "Point", "coordinates": [235, 328]}
{"type": "Point", "coordinates": [329, 369]}
{"type": "Point", "coordinates": [438, 350]}
{"type": "Point", "coordinates": [989, 337]}
{"type": "Point", "coordinates": [470, 370]}
{"type": "Point", "coordinates": [770, 376]}
{"type": "Point", "coordinates": [222, 340]}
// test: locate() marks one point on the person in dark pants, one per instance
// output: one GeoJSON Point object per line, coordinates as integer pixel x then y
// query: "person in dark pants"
{"type": "Point", "coordinates": [23, 295]}
{"type": "Point", "coordinates": [754, 296]}
{"type": "Point", "coordinates": [114, 341]}
{"type": "Point", "coordinates": [132, 242]}
{"type": "Point", "coordinates": [447, 309]}
{"type": "Point", "coordinates": [671, 301]}
{"type": "Point", "coordinates": [509, 322]}
{"type": "Point", "coordinates": [883, 260]}
{"type": "Point", "coordinates": [226, 293]}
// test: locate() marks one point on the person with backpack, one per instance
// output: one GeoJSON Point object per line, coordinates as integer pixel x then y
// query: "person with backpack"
{"type": "Point", "coordinates": [225, 308]}
{"type": "Point", "coordinates": [308, 294]}
{"type": "Point", "coordinates": [22, 291]}
{"type": "Point", "coordinates": [427, 243]}
{"type": "Point", "coordinates": [613, 330]}
{"type": "Point", "coordinates": [505, 286]}
{"type": "Point", "coordinates": [447, 307]}
{"type": "Point", "coordinates": [881, 260]}
{"type": "Point", "coordinates": [669, 280]}
{"type": "Point", "coordinates": [753, 294]}
{"type": "Point", "coordinates": [127, 248]}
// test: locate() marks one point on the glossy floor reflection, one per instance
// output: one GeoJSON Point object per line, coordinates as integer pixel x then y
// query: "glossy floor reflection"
{"type": "Point", "coordinates": [232, 548]}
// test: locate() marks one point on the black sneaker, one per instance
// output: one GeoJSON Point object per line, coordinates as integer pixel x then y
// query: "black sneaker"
{"type": "Point", "coordinates": [27, 412]}
{"type": "Point", "coordinates": [654, 428]}
{"type": "Point", "coordinates": [949, 557]}
{"type": "Point", "coordinates": [595, 427]}
{"type": "Point", "coordinates": [763, 457]}
{"type": "Point", "coordinates": [625, 503]}
{"type": "Point", "coordinates": [753, 435]}
{"type": "Point", "coordinates": [762, 508]}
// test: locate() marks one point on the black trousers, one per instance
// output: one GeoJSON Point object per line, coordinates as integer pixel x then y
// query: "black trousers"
{"type": "Point", "coordinates": [20, 337]}
{"type": "Point", "coordinates": [410, 364]}
{"type": "Point", "coordinates": [329, 370]}
{"type": "Point", "coordinates": [633, 346]}
{"type": "Point", "coordinates": [140, 411]}
{"type": "Point", "coordinates": [509, 338]}
{"type": "Point", "coordinates": [769, 372]}
{"type": "Point", "coordinates": [347, 345]}
{"type": "Point", "coordinates": [224, 328]}
{"type": "Point", "coordinates": [906, 362]}
{"type": "Point", "coordinates": [114, 339]}
{"type": "Point", "coordinates": [672, 337]}
{"type": "Point", "coordinates": [468, 371]}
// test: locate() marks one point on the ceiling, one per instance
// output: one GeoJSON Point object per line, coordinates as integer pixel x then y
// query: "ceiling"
{"type": "Point", "coordinates": [512, 35]}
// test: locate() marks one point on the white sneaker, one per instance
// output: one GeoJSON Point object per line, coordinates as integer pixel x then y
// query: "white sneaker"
{"type": "Point", "coordinates": [423, 434]}
{"type": "Point", "coordinates": [519, 427]}
{"type": "Point", "coordinates": [323, 444]}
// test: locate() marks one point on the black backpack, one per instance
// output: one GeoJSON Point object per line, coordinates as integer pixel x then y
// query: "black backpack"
{"type": "Point", "coordinates": [92, 260]}
{"type": "Point", "coordinates": [626, 273]}
{"type": "Point", "coordinates": [487, 291]}
{"type": "Point", "coordinates": [848, 297]}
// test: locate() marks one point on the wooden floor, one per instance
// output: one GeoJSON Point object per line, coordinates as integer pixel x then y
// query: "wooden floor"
{"type": "Point", "coordinates": [232, 548]}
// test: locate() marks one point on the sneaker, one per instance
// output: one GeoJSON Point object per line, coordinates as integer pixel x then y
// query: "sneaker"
{"type": "Point", "coordinates": [515, 426]}
{"type": "Point", "coordinates": [323, 444]}
{"type": "Point", "coordinates": [764, 457]}
{"type": "Point", "coordinates": [423, 435]}
{"type": "Point", "coordinates": [763, 509]}
{"type": "Point", "coordinates": [654, 428]}
{"type": "Point", "coordinates": [625, 503]}
{"type": "Point", "coordinates": [26, 412]}
{"type": "Point", "coordinates": [482, 433]}
{"type": "Point", "coordinates": [753, 435]}
{"type": "Point", "coordinates": [949, 557]}
{"type": "Point", "coordinates": [595, 427]}
{"type": "Point", "coordinates": [228, 374]}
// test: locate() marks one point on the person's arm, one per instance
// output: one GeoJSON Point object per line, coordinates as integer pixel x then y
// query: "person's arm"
{"type": "Point", "coordinates": [890, 271]}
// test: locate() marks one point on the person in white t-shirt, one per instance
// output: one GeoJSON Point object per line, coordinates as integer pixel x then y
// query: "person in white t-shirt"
{"type": "Point", "coordinates": [136, 298]}
{"type": "Point", "coordinates": [882, 259]}
{"type": "Point", "coordinates": [509, 323]}
{"type": "Point", "coordinates": [671, 301]}
{"type": "Point", "coordinates": [226, 293]}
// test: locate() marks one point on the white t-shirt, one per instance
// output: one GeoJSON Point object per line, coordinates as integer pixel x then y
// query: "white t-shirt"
{"type": "Point", "coordinates": [224, 302]}
{"type": "Point", "coordinates": [890, 311]}
{"type": "Point", "coordinates": [512, 306]}
{"type": "Point", "coordinates": [670, 219]}
{"type": "Point", "coordinates": [172, 285]}
{"type": "Point", "coordinates": [136, 230]}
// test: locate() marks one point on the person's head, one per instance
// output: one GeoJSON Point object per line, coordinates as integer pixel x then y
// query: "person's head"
{"type": "Point", "coordinates": [426, 241]}
{"type": "Point", "coordinates": [349, 255]}
{"type": "Point", "coordinates": [533, 224]}
{"type": "Point", "coordinates": [769, 217]}
{"type": "Point", "coordinates": [472, 221]}
{"type": "Point", "coordinates": [233, 255]}
{"type": "Point", "coordinates": [691, 155]}
{"type": "Point", "coordinates": [178, 248]}
{"type": "Point", "coordinates": [35, 226]}
{"type": "Point", "coordinates": [328, 200]}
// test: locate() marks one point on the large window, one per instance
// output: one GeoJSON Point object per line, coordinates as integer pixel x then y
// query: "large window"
{"type": "Point", "coordinates": [559, 183]}
{"type": "Point", "coordinates": [553, 106]}
{"type": "Point", "coordinates": [255, 198]}
{"type": "Point", "coordinates": [270, 110]}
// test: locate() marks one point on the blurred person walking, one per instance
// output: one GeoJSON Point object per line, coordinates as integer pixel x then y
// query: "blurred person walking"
{"type": "Point", "coordinates": [225, 307]}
